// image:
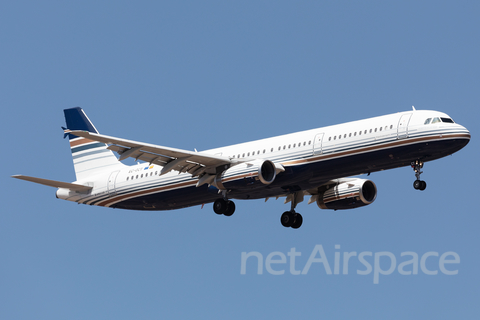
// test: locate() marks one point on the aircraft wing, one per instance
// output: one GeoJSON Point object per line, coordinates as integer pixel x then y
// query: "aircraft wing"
{"type": "Point", "coordinates": [195, 163]}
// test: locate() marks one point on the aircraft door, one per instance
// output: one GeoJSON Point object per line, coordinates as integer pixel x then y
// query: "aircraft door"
{"type": "Point", "coordinates": [402, 129]}
{"type": "Point", "coordinates": [111, 183]}
{"type": "Point", "coordinates": [317, 143]}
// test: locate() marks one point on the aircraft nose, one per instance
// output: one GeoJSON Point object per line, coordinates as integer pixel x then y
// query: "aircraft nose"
{"type": "Point", "coordinates": [464, 134]}
{"type": "Point", "coordinates": [465, 131]}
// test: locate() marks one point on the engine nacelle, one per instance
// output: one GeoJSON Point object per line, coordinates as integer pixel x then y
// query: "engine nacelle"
{"type": "Point", "coordinates": [348, 195]}
{"type": "Point", "coordinates": [249, 175]}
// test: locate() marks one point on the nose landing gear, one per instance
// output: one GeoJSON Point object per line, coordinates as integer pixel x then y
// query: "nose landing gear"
{"type": "Point", "coordinates": [418, 184]}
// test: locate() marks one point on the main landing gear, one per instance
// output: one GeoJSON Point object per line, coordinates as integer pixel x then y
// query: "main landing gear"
{"type": "Point", "coordinates": [292, 218]}
{"type": "Point", "coordinates": [224, 206]}
{"type": "Point", "coordinates": [418, 184]}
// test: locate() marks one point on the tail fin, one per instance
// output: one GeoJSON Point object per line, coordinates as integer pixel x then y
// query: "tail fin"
{"type": "Point", "coordinates": [89, 157]}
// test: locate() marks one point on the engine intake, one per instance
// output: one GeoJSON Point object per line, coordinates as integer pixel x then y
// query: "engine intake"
{"type": "Point", "coordinates": [348, 195]}
{"type": "Point", "coordinates": [249, 175]}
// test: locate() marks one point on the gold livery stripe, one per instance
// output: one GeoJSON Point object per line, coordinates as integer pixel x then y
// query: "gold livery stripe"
{"type": "Point", "coordinates": [108, 202]}
{"type": "Point", "coordinates": [374, 148]}
{"type": "Point", "coordinates": [80, 142]}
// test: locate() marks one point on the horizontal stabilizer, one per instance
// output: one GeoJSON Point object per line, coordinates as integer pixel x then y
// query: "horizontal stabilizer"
{"type": "Point", "coordinates": [55, 184]}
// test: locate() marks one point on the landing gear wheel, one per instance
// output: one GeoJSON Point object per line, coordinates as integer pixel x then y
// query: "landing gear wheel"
{"type": "Point", "coordinates": [297, 221]}
{"type": "Point", "coordinates": [287, 219]}
{"type": "Point", "coordinates": [416, 184]}
{"type": "Point", "coordinates": [423, 185]}
{"type": "Point", "coordinates": [220, 206]}
{"type": "Point", "coordinates": [230, 208]}
{"type": "Point", "coordinates": [225, 207]}
{"type": "Point", "coordinates": [419, 185]}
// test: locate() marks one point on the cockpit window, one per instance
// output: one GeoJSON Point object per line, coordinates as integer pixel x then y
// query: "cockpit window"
{"type": "Point", "coordinates": [447, 120]}
{"type": "Point", "coordinates": [436, 120]}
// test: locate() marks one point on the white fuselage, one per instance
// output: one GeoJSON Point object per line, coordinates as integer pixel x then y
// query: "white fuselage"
{"type": "Point", "coordinates": [348, 143]}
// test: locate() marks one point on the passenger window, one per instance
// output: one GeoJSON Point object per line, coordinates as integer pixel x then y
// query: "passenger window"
{"type": "Point", "coordinates": [391, 126]}
{"type": "Point", "coordinates": [127, 178]}
{"type": "Point", "coordinates": [381, 128]}
{"type": "Point", "coordinates": [375, 129]}
{"type": "Point", "coordinates": [355, 134]}
{"type": "Point", "coordinates": [345, 135]}
{"type": "Point", "coordinates": [309, 142]}
{"type": "Point", "coordinates": [359, 133]}
{"type": "Point", "coordinates": [243, 155]}
{"type": "Point", "coordinates": [350, 135]}
{"type": "Point", "coordinates": [427, 121]}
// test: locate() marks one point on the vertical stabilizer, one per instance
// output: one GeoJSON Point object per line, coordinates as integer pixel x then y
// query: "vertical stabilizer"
{"type": "Point", "coordinates": [89, 157]}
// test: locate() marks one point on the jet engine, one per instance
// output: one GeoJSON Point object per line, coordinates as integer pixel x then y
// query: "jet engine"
{"type": "Point", "coordinates": [347, 195]}
{"type": "Point", "coordinates": [249, 175]}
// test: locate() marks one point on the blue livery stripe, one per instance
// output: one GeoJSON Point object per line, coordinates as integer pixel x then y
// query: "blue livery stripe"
{"type": "Point", "coordinates": [88, 146]}
{"type": "Point", "coordinates": [90, 153]}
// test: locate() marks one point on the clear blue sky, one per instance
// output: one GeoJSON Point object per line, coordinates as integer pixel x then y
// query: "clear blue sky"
{"type": "Point", "coordinates": [208, 74]}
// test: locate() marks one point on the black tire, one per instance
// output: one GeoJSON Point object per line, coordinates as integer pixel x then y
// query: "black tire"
{"type": "Point", "coordinates": [230, 208]}
{"type": "Point", "coordinates": [287, 219]}
{"type": "Point", "coordinates": [297, 221]}
{"type": "Point", "coordinates": [417, 184]}
{"type": "Point", "coordinates": [423, 185]}
{"type": "Point", "coordinates": [220, 206]}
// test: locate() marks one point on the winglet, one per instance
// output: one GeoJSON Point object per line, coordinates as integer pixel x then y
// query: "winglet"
{"type": "Point", "coordinates": [65, 132]}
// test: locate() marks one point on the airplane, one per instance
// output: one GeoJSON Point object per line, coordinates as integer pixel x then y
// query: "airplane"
{"type": "Point", "coordinates": [320, 163]}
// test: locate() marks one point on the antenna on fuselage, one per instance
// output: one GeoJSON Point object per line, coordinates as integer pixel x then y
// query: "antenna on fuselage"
{"type": "Point", "coordinates": [414, 108]}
